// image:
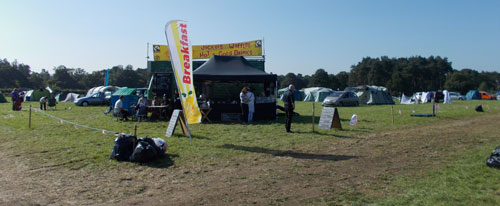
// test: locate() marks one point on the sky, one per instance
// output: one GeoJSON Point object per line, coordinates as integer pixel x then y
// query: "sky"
{"type": "Point", "coordinates": [299, 36]}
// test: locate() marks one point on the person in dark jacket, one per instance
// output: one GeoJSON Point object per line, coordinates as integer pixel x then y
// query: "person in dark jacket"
{"type": "Point", "coordinates": [15, 97]}
{"type": "Point", "coordinates": [289, 103]}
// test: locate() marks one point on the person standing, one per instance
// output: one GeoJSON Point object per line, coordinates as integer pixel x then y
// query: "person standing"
{"type": "Point", "coordinates": [244, 104]}
{"type": "Point", "coordinates": [251, 105]}
{"type": "Point", "coordinates": [14, 97]}
{"type": "Point", "coordinates": [43, 103]}
{"type": "Point", "coordinates": [289, 103]}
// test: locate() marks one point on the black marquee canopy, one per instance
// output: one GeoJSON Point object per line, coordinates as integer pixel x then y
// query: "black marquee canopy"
{"type": "Point", "coordinates": [231, 68]}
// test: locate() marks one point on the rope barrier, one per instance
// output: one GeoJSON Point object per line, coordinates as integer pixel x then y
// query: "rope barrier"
{"type": "Point", "coordinates": [76, 125]}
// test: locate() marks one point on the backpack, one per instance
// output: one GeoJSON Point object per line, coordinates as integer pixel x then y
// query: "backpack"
{"type": "Point", "coordinates": [123, 147]}
{"type": "Point", "coordinates": [146, 150]}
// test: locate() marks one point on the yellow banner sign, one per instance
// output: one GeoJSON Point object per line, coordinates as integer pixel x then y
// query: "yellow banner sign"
{"type": "Point", "coordinates": [177, 36]}
{"type": "Point", "coordinates": [249, 48]}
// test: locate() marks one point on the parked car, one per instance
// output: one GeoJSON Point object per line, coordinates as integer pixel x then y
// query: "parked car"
{"type": "Point", "coordinates": [341, 98]}
{"type": "Point", "coordinates": [456, 96]}
{"type": "Point", "coordinates": [100, 98]}
{"type": "Point", "coordinates": [486, 95]}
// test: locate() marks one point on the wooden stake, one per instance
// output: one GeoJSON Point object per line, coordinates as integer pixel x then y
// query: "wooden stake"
{"type": "Point", "coordinates": [392, 111]}
{"type": "Point", "coordinates": [29, 124]}
{"type": "Point", "coordinates": [135, 130]}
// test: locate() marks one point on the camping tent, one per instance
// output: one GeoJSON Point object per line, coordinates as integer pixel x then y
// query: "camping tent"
{"type": "Point", "coordinates": [221, 79]}
{"type": "Point", "coordinates": [71, 97]}
{"type": "Point", "coordinates": [473, 94]}
{"type": "Point", "coordinates": [406, 100]}
{"type": "Point", "coordinates": [2, 98]}
{"type": "Point", "coordinates": [61, 96]}
{"type": "Point", "coordinates": [316, 94]}
{"type": "Point", "coordinates": [102, 89]}
{"type": "Point", "coordinates": [371, 94]}
{"type": "Point", "coordinates": [298, 95]}
{"type": "Point", "coordinates": [129, 98]}
{"type": "Point", "coordinates": [35, 95]}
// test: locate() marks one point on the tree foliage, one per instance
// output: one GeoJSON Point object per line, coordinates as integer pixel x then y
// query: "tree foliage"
{"type": "Point", "coordinates": [14, 75]}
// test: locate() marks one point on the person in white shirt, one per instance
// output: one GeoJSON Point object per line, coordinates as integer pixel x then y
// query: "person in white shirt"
{"type": "Point", "coordinates": [43, 103]}
{"type": "Point", "coordinates": [244, 104]}
{"type": "Point", "coordinates": [119, 108]}
{"type": "Point", "coordinates": [251, 105]}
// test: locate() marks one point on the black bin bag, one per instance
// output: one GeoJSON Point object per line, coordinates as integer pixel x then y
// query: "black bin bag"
{"type": "Point", "coordinates": [494, 159]}
{"type": "Point", "coordinates": [123, 148]}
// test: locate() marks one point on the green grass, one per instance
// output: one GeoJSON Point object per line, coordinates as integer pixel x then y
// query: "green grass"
{"type": "Point", "coordinates": [49, 143]}
{"type": "Point", "coordinates": [464, 181]}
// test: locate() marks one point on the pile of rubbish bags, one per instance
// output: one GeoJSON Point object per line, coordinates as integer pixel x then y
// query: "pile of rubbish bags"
{"type": "Point", "coordinates": [494, 159]}
{"type": "Point", "coordinates": [130, 148]}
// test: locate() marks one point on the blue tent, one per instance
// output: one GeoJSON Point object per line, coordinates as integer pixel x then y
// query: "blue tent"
{"type": "Point", "coordinates": [473, 94]}
{"type": "Point", "coordinates": [129, 98]}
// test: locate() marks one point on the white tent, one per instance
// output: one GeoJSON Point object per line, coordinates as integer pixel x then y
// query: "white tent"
{"type": "Point", "coordinates": [406, 100]}
{"type": "Point", "coordinates": [71, 97]}
{"type": "Point", "coordinates": [316, 94]}
{"type": "Point", "coordinates": [102, 89]}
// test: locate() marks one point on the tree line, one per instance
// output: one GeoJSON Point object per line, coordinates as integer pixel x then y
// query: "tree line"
{"type": "Point", "coordinates": [14, 75]}
{"type": "Point", "coordinates": [399, 75]}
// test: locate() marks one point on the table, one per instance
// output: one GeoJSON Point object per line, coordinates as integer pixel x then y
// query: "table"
{"type": "Point", "coordinates": [160, 109]}
{"type": "Point", "coordinates": [205, 112]}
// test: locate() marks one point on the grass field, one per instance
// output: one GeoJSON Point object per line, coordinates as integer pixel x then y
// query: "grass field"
{"type": "Point", "coordinates": [262, 164]}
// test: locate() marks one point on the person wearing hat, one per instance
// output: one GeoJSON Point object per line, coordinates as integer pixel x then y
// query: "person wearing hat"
{"type": "Point", "coordinates": [119, 108]}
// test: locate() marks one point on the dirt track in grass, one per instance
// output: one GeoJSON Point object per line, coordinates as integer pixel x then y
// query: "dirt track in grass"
{"type": "Point", "coordinates": [325, 172]}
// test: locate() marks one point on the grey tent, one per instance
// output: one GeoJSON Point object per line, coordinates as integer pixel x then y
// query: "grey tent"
{"type": "Point", "coordinates": [298, 95]}
{"type": "Point", "coordinates": [371, 94]}
{"type": "Point", "coordinates": [316, 94]}
{"type": "Point", "coordinates": [71, 97]}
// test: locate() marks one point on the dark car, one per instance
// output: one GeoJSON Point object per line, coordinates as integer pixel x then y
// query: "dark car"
{"type": "Point", "coordinates": [341, 98]}
{"type": "Point", "coordinates": [100, 98]}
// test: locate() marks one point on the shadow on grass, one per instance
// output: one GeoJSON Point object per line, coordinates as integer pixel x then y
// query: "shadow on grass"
{"type": "Point", "coordinates": [162, 163]}
{"type": "Point", "coordinates": [193, 136]}
{"type": "Point", "coordinates": [323, 134]}
{"type": "Point", "coordinates": [281, 153]}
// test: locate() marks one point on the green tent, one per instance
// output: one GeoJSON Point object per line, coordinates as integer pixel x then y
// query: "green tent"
{"type": "Point", "coordinates": [2, 98]}
{"type": "Point", "coordinates": [371, 94]}
{"type": "Point", "coordinates": [36, 95]}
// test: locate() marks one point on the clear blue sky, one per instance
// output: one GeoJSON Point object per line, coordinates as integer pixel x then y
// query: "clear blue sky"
{"type": "Point", "coordinates": [300, 36]}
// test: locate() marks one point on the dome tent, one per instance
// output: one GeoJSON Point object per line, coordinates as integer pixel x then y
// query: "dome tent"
{"type": "Point", "coordinates": [473, 94]}
{"type": "Point", "coordinates": [316, 94]}
{"type": "Point", "coordinates": [36, 94]}
{"type": "Point", "coordinates": [298, 95]}
{"type": "Point", "coordinates": [371, 94]}
{"type": "Point", "coordinates": [102, 89]}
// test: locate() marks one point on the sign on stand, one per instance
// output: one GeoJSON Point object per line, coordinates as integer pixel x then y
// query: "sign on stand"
{"type": "Point", "coordinates": [176, 116]}
{"type": "Point", "coordinates": [329, 118]}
